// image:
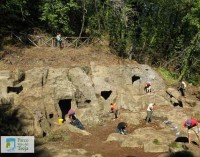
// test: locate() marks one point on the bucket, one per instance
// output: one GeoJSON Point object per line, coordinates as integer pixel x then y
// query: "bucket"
{"type": "Point", "coordinates": [60, 121]}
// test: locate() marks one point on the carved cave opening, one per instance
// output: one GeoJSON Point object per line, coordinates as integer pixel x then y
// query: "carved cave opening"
{"type": "Point", "coordinates": [51, 115]}
{"type": "Point", "coordinates": [135, 78]}
{"type": "Point", "coordinates": [65, 106]}
{"type": "Point", "coordinates": [106, 94]}
{"type": "Point", "coordinates": [14, 89]}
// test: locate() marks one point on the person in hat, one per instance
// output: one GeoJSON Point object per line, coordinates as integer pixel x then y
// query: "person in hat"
{"type": "Point", "coordinates": [193, 127]}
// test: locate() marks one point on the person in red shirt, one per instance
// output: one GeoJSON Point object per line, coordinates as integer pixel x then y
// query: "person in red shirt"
{"type": "Point", "coordinates": [192, 126]}
{"type": "Point", "coordinates": [114, 109]}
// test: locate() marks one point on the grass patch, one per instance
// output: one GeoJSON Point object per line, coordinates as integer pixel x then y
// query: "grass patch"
{"type": "Point", "coordinates": [56, 136]}
{"type": "Point", "coordinates": [169, 77]}
{"type": "Point", "coordinates": [174, 145]}
{"type": "Point", "coordinates": [156, 142]}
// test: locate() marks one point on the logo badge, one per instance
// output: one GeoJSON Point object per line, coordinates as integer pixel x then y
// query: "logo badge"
{"type": "Point", "coordinates": [10, 144]}
{"type": "Point", "coordinates": [17, 144]}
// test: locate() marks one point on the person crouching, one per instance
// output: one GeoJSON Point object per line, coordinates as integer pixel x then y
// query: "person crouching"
{"type": "Point", "coordinates": [121, 128]}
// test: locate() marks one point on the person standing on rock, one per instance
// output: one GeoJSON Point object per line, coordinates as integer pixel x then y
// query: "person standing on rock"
{"type": "Point", "coordinates": [114, 110]}
{"type": "Point", "coordinates": [121, 128]}
{"type": "Point", "coordinates": [182, 87]}
{"type": "Point", "coordinates": [150, 109]}
{"type": "Point", "coordinates": [147, 87]}
{"type": "Point", "coordinates": [193, 127]}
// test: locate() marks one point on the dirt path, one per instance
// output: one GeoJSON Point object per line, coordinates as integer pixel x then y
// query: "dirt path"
{"type": "Point", "coordinates": [95, 143]}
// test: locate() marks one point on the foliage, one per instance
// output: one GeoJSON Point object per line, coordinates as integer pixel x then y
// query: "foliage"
{"type": "Point", "coordinates": [168, 76]}
{"type": "Point", "coordinates": [174, 145]}
{"type": "Point", "coordinates": [161, 33]}
{"type": "Point", "coordinates": [59, 135]}
{"type": "Point", "coordinates": [56, 14]}
{"type": "Point", "coordinates": [156, 142]}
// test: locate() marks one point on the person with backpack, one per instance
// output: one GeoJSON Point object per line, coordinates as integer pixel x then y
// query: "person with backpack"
{"type": "Point", "coordinates": [182, 87]}
{"type": "Point", "coordinates": [193, 127]}
{"type": "Point", "coordinates": [150, 109]}
{"type": "Point", "coordinates": [121, 128]}
{"type": "Point", "coordinates": [114, 110]}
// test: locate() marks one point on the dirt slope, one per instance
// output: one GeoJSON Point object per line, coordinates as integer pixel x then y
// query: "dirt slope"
{"type": "Point", "coordinates": [28, 58]}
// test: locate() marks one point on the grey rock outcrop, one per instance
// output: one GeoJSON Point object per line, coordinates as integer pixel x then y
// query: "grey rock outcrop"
{"type": "Point", "coordinates": [46, 94]}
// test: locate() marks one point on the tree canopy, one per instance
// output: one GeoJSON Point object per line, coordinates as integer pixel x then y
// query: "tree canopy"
{"type": "Point", "coordinates": [161, 33]}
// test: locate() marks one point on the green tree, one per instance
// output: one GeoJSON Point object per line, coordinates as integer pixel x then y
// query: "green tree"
{"type": "Point", "coordinates": [56, 14]}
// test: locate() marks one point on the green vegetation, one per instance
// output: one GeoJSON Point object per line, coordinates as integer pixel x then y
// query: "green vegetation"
{"type": "Point", "coordinates": [156, 142]}
{"type": "Point", "coordinates": [169, 77]}
{"type": "Point", "coordinates": [174, 145]}
{"type": "Point", "coordinates": [59, 135]}
{"type": "Point", "coordinates": [161, 33]}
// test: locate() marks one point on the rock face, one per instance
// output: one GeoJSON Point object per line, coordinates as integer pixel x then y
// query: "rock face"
{"type": "Point", "coordinates": [42, 95]}
{"type": "Point", "coordinates": [31, 102]}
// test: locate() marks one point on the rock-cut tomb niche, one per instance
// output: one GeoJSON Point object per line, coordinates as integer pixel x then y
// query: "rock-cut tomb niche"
{"type": "Point", "coordinates": [135, 78]}
{"type": "Point", "coordinates": [65, 106]}
{"type": "Point", "coordinates": [106, 94]}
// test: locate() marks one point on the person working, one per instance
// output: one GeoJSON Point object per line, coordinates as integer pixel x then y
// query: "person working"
{"type": "Point", "coordinates": [193, 127]}
{"type": "Point", "coordinates": [114, 110]}
{"type": "Point", "coordinates": [150, 109]}
{"type": "Point", "coordinates": [182, 87]}
{"type": "Point", "coordinates": [70, 113]}
{"type": "Point", "coordinates": [147, 87]}
{"type": "Point", "coordinates": [121, 128]}
{"type": "Point", "coordinates": [76, 122]}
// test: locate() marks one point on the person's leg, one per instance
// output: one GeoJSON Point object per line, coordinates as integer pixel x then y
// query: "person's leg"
{"type": "Point", "coordinates": [147, 89]}
{"type": "Point", "coordinates": [181, 90]}
{"type": "Point", "coordinates": [189, 138]}
{"type": "Point", "coordinates": [116, 114]}
{"type": "Point", "coordinates": [60, 44]}
{"type": "Point", "coordinates": [198, 136]}
{"type": "Point", "coordinates": [148, 116]}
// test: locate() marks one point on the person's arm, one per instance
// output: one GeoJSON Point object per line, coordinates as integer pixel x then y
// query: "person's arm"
{"type": "Point", "coordinates": [183, 126]}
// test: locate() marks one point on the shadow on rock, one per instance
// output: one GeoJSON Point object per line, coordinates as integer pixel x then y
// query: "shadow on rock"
{"type": "Point", "coordinates": [182, 154]}
{"type": "Point", "coordinates": [11, 125]}
{"type": "Point", "coordinates": [40, 151]}
{"type": "Point", "coordinates": [182, 139]}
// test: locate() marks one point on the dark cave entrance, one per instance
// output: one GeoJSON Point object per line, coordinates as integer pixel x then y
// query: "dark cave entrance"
{"type": "Point", "coordinates": [135, 78]}
{"type": "Point", "coordinates": [106, 94]}
{"type": "Point", "coordinates": [65, 106]}
{"type": "Point", "coordinates": [16, 89]}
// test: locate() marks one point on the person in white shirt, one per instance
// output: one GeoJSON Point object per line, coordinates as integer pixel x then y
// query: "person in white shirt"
{"type": "Point", "coordinates": [150, 109]}
{"type": "Point", "coordinates": [182, 87]}
{"type": "Point", "coordinates": [147, 87]}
